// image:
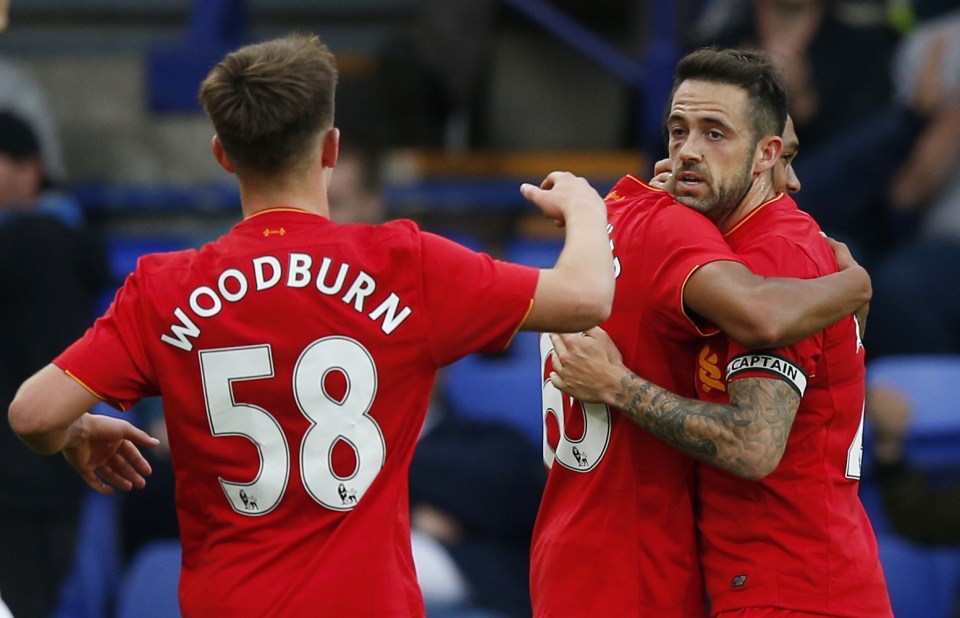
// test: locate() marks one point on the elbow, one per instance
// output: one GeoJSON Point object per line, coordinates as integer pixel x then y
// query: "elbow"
{"type": "Point", "coordinates": [758, 469]}
{"type": "Point", "coordinates": [756, 472]}
{"type": "Point", "coordinates": [29, 426]}
{"type": "Point", "coordinates": [22, 422]}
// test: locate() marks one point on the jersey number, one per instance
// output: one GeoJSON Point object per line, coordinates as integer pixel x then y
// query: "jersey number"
{"type": "Point", "coordinates": [331, 421]}
{"type": "Point", "coordinates": [576, 453]}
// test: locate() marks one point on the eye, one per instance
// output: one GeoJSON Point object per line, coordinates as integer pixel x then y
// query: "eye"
{"type": "Point", "coordinates": [677, 132]}
{"type": "Point", "coordinates": [714, 134]}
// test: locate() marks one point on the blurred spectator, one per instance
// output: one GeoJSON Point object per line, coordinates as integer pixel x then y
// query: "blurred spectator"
{"type": "Point", "coordinates": [836, 68]}
{"type": "Point", "coordinates": [927, 73]}
{"type": "Point", "coordinates": [915, 310]}
{"type": "Point", "coordinates": [51, 273]}
{"type": "Point", "coordinates": [907, 186]}
{"type": "Point", "coordinates": [909, 181]}
{"type": "Point", "coordinates": [430, 79]}
{"type": "Point", "coordinates": [20, 94]}
{"type": "Point", "coordinates": [915, 509]}
{"type": "Point", "coordinates": [475, 489]}
{"type": "Point", "coordinates": [355, 190]}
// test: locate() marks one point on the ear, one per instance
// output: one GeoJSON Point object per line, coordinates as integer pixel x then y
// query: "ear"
{"type": "Point", "coordinates": [768, 153]}
{"type": "Point", "coordinates": [331, 148]}
{"type": "Point", "coordinates": [221, 155]}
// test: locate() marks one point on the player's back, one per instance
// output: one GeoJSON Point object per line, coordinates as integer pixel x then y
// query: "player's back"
{"type": "Point", "coordinates": [296, 358]}
{"type": "Point", "coordinates": [615, 532]}
{"type": "Point", "coordinates": [809, 545]}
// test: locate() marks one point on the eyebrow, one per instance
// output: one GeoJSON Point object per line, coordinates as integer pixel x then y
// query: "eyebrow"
{"type": "Point", "coordinates": [705, 120]}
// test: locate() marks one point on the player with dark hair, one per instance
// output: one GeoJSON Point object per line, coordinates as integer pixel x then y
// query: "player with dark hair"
{"type": "Point", "coordinates": [295, 357]}
{"type": "Point", "coordinates": [781, 527]}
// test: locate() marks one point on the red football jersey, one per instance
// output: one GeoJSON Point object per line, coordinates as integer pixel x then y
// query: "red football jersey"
{"type": "Point", "coordinates": [798, 539]}
{"type": "Point", "coordinates": [296, 358]}
{"type": "Point", "coordinates": [615, 533]}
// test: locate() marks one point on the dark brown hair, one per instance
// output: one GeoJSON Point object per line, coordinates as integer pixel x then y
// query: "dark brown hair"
{"type": "Point", "coordinates": [750, 70]}
{"type": "Point", "coordinates": [269, 101]}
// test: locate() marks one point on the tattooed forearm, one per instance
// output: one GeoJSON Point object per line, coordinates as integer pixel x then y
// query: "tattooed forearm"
{"type": "Point", "coordinates": [745, 437]}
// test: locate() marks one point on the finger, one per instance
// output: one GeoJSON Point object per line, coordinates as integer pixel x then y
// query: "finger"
{"type": "Point", "coordinates": [97, 485]}
{"type": "Point", "coordinates": [123, 475]}
{"type": "Point", "coordinates": [600, 335]}
{"type": "Point", "coordinates": [559, 345]}
{"type": "Point", "coordinates": [106, 474]}
{"type": "Point", "coordinates": [138, 436]}
{"type": "Point", "coordinates": [555, 361]}
{"type": "Point", "coordinates": [115, 478]}
{"type": "Point", "coordinates": [530, 192]}
{"type": "Point", "coordinates": [552, 179]}
{"type": "Point", "coordinates": [556, 380]}
{"type": "Point", "coordinates": [133, 455]}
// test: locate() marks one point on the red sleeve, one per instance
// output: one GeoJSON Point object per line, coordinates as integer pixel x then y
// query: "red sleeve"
{"type": "Point", "coordinates": [109, 359]}
{"type": "Point", "coordinates": [474, 302]}
{"type": "Point", "coordinates": [683, 240]}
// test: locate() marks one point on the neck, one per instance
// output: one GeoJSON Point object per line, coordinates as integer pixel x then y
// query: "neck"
{"type": "Point", "coordinates": [307, 196]}
{"type": "Point", "coordinates": [760, 191]}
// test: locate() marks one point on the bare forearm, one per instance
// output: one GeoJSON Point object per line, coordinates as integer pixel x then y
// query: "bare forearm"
{"type": "Point", "coordinates": [586, 239]}
{"type": "Point", "coordinates": [745, 438]}
{"type": "Point", "coordinates": [48, 442]}
{"type": "Point", "coordinates": [804, 310]}
{"type": "Point", "coordinates": [577, 293]}
{"type": "Point", "coordinates": [46, 407]}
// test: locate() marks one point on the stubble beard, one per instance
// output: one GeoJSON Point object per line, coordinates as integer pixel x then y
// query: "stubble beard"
{"type": "Point", "coordinates": [722, 200]}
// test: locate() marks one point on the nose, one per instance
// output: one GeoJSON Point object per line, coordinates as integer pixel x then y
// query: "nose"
{"type": "Point", "coordinates": [687, 150]}
{"type": "Point", "coordinates": [793, 182]}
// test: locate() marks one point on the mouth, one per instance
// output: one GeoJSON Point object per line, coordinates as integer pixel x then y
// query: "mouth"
{"type": "Point", "coordinates": [688, 181]}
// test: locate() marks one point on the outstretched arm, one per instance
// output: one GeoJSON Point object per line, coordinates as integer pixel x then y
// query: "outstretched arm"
{"type": "Point", "coordinates": [774, 312]}
{"type": "Point", "coordinates": [577, 293]}
{"type": "Point", "coordinates": [50, 414]}
{"type": "Point", "coordinates": [746, 437]}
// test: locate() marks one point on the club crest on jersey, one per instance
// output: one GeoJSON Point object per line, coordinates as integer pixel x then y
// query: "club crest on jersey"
{"type": "Point", "coordinates": [708, 371]}
{"type": "Point", "coordinates": [767, 365]}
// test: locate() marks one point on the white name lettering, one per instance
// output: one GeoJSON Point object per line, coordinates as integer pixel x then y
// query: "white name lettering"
{"type": "Point", "coordinates": [329, 279]}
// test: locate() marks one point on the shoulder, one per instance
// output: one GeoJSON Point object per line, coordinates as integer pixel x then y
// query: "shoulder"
{"type": "Point", "coordinates": [782, 236]}
{"type": "Point", "coordinates": [630, 191]}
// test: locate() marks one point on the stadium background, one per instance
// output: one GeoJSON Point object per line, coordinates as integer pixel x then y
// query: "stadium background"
{"type": "Point", "coordinates": [527, 87]}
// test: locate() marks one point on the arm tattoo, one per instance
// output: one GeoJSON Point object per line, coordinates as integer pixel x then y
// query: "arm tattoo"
{"type": "Point", "coordinates": [746, 437]}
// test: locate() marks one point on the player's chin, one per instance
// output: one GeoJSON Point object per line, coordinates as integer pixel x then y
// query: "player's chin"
{"type": "Point", "coordinates": [692, 201]}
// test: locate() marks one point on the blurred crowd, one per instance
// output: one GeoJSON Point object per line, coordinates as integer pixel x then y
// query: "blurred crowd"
{"type": "Point", "coordinates": [875, 98]}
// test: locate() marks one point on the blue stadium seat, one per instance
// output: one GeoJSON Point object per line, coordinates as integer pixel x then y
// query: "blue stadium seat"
{"type": "Point", "coordinates": [506, 387]}
{"type": "Point", "coordinates": [150, 583]}
{"type": "Point", "coordinates": [539, 252]}
{"type": "Point", "coordinates": [503, 388]}
{"type": "Point", "coordinates": [922, 581]}
{"type": "Point", "coordinates": [933, 442]}
{"type": "Point", "coordinates": [89, 588]}
{"type": "Point", "coordinates": [928, 384]}
{"type": "Point", "coordinates": [124, 250]}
